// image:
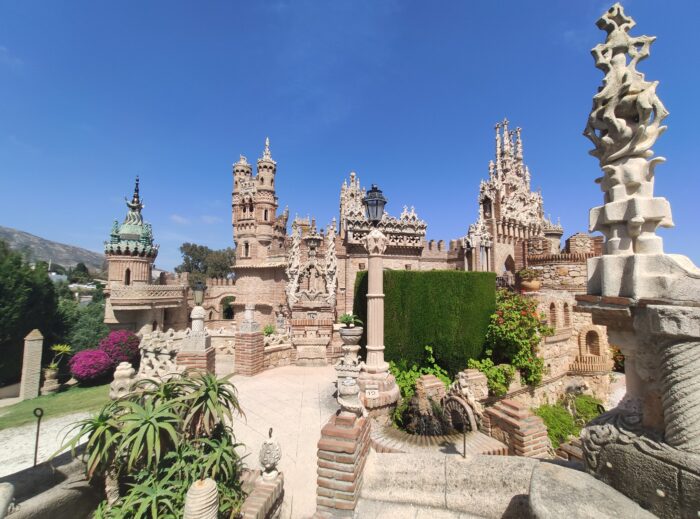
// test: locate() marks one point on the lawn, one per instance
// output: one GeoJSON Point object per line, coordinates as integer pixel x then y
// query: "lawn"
{"type": "Point", "coordinates": [73, 400]}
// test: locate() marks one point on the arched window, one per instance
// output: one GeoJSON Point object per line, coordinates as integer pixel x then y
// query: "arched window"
{"type": "Point", "coordinates": [265, 215]}
{"type": "Point", "coordinates": [593, 343]}
{"type": "Point", "coordinates": [246, 250]}
{"type": "Point", "coordinates": [553, 315]}
{"type": "Point", "coordinates": [227, 307]}
{"type": "Point", "coordinates": [487, 207]}
{"type": "Point", "coordinates": [567, 315]}
{"type": "Point", "coordinates": [127, 277]}
{"type": "Point", "coordinates": [262, 180]}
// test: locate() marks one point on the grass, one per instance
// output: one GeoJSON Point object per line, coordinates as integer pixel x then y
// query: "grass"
{"type": "Point", "coordinates": [73, 400]}
{"type": "Point", "coordinates": [561, 425]}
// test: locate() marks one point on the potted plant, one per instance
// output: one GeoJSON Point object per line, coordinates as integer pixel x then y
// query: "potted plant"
{"type": "Point", "coordinates": [59, 351]}
{"type": "Point", "coordinates": [351, 335]}
{"type": "Point", "coordinates": [529, 280]}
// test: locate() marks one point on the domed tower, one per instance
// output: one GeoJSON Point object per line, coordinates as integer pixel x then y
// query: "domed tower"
{"type": "Point", "coordinates": [130, 250]}
{"type": "Point", "coordinates": [257, 231]}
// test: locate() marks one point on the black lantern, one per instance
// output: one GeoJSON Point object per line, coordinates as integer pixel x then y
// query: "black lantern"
{"type": "Point", "coordinates": [374, 203]}
{"type": "Point", "coordinates": [198, 291]}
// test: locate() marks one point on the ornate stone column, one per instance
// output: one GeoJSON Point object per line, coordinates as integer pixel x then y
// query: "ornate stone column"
{"type": "Point", "coordinates": [379, 390]}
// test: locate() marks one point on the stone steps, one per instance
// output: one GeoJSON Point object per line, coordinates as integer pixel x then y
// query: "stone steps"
{"type": "Point", "coordinates": [387, 439]}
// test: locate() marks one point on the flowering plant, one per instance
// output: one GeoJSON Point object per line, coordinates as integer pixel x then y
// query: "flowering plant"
{"type": "Point", "coordinates": [90, 365]}
{"type": "Point", "coordinates": [514, 334]}
{"type": "Point", "coordinates": [121, 346]}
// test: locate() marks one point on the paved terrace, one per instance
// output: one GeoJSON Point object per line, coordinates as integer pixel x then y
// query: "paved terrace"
{"type": "Point", "coordinates": [296, 402]}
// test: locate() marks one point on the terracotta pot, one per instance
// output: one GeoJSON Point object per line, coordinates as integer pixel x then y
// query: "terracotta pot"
{"type": "Point", "coordinates": [530, 285]}
{"type": "Point", "coordinates": [351, 336]}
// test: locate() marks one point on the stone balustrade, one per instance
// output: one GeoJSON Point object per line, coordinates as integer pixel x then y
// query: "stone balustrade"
{"type": "Point", "coordinates": [147, 296]}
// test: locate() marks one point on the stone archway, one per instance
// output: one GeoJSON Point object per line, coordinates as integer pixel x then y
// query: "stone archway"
{"type": "Point", "coordinates": [458, 415]}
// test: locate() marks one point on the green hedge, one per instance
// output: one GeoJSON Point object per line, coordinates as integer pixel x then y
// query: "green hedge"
{"type": "Point", "coordinates": [446, 309]}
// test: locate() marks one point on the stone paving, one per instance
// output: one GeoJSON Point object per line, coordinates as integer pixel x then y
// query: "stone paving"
{"type": "Point", "coordinates": [296, 402]}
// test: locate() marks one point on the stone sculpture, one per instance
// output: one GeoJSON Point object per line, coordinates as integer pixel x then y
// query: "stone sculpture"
{"type": "Point", "coordinates": [124, 377]}
{"type": "Point", "coordinates": [158, 352]}
{"type": "Point", "coordinates": [649, 446]}
{"type": "Point", "coordinates": [270, 455]}
{"type": "Point", "coordinates": [202, 500]}
{"type": "Point", "coordinates": [294, 265]}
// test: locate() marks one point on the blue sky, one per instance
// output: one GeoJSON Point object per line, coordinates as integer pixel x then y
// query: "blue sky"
{"type": "Point", "coordinates": [405, 93]}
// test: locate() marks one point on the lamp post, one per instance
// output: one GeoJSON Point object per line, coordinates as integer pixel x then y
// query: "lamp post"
{"type": "Point", "coordinates": [379, 388]}
{"type": "Point", "coordinates": [198, 312]}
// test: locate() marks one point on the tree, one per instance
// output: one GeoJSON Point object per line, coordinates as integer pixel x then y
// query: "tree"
{"type": "Point", "coordinates": [201, 262]}
{"type": "Point", "coordinates": [79, 274]}
{"type": "Point", "coordinates": [28, 300]}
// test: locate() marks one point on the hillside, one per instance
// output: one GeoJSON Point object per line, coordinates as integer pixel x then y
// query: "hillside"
{"type": "Point", "coordinates": [40, 249]}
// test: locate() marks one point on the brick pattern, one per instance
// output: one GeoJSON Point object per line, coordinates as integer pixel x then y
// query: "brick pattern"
{"type": "Point", "coordinates": [250, 353]}
{"type": "Point", "coordinates": [198, 361]}
{"type": "Point", "coordinates": [342, 452]}
{"type": "Point", "coordinates": [264, 498]}
{"type": "Point", "coordinates": [513, 423]}
{"type": "Point", "coordinates": [429, 388]}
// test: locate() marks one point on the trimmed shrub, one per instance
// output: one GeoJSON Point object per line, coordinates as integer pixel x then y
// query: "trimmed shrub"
{"type": "Point", "coordinates": [91, 366]}
{"type": "Point", "coordinates": [448, 310]}
{"type": "Point", "coordinates": [121, 346]}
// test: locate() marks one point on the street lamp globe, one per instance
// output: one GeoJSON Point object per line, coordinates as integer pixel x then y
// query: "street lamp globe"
{"type": "Point", "coordinates": [198, 291]}
{"type": "Point", "coordinates": [374, 203]}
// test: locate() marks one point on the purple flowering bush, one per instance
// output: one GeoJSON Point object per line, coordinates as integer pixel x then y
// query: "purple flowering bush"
{"type": "Point", "coordinates": [121, 346]}
{"type": "Point", "coordinates": [91, 366]}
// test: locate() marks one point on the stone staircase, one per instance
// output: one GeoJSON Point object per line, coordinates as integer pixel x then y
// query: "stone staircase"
{"type": "Point", "coordinates": [387, 439]}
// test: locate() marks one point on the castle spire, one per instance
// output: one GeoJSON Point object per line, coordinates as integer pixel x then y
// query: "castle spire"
{"type": "Point", "coordinates": [136, 204]}
{"type": "Point", "coordinates": [506, 139]}
{"type": "Point", "coordinates": [266, 152]}
{"type": "Point", "coordinates": [518, 145]}
{"type": "Point", "coordinates": [498, 148]}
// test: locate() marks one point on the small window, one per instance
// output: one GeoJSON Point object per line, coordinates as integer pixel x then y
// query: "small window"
{"type": "Point", "coordinates": [246, 250]}
{"type": "Point", "coordinates": [593, 343]}
{"type": "Point", "coordinates": [553, 316]}
{"type": "Point", "coordinates": [567, 315]}
{"type": "Point", "coordinates": [362, 266]}
{"type": "Point", "coordinates": [127, 277]}
{"type": "Point", "coordinates": [265, 215]}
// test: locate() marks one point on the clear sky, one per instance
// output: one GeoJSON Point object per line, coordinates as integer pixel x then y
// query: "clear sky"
{"type": "Point", "coordinates": [406, 93]}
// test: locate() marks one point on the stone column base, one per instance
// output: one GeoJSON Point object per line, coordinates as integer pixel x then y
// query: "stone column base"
{"type": "Point", "coordinates": [378, 394]}
{"type": "Point", "coordinates": [197, 360]}
{"type": "Point", "coordinates": [342, 452]}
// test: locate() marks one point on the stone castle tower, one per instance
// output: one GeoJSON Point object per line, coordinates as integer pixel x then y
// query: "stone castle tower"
{"type": "Point", "coordinates": [509, 212]}
{"type": "Point", "coordinates": [130, 250]}
{"type": "Point", "coordinates": [257, 230]}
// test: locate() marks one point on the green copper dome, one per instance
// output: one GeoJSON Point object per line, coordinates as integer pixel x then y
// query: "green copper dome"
{"type": "Point", "coordinates": [133, 237]}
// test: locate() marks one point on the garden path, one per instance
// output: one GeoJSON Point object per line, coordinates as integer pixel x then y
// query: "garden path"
{"type": "Point", "coordinates": [296, 402]}
{"type": "Point", "coordinates": [17, 443]}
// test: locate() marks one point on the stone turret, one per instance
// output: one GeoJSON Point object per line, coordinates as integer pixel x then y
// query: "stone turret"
{"type": "Point", "coordinates": [130, 250]}
{"type": "Point", "coordinates": [257, 230]}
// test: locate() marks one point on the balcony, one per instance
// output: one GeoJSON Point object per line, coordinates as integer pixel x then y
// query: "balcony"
{"type": "Point", "coordinates": [144, 297]}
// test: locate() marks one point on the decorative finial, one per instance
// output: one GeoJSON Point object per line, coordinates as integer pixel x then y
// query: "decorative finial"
{"type": "Point", "coordinates": [266, 153]}
{"type": "Point", "coordinates": [518, 144]}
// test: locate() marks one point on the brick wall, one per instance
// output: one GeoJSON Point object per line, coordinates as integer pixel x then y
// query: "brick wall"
{"type": "Point", "coordinates": [199, 361]}
{"type": "Point", "coordinates": [513, 424]}
{"type": "Point", "coordinates": [342, 452]}
{"type": "Point", "coordinates": [250, 353]}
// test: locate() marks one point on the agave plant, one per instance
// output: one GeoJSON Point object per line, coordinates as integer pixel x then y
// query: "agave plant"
{"type": "Point", "coordinates": [155, 497]}
{"type": "Point", "coordinates": [210, 403]}
{"type": "Point", "coordinates": [148, 431]}
{"type": "Point", "coordinates": [103, 435]}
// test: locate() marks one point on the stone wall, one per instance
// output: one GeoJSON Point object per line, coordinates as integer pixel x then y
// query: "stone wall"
{"type": "Point", "coordinates": [561, 271]}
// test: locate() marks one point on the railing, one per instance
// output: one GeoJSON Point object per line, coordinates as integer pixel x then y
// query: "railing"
{"type": "Point", "coordinates": [147, 292]}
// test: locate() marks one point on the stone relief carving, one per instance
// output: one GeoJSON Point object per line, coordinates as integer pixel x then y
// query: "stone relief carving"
{"type": "Point", "coordinates": [376, 242]}
{"type": "Point", "coordinates": [158, 352]}
{"type": "Point", "coordinates": [294, 265]}
{"type": "Point", "coordinates": [408, 230]}
{"type": "Point", "coordinates": [331, 265]}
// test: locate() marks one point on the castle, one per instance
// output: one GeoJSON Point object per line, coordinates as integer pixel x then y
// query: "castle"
{"type": "Point", "coordinates": [299, 282]}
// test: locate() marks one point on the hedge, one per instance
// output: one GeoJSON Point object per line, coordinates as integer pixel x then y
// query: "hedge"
{"type": "Point", "coordinates": [446, 309]}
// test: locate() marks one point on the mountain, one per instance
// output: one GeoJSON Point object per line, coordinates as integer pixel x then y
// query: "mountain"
{"type": "Point", "coordinates": [40, 249]}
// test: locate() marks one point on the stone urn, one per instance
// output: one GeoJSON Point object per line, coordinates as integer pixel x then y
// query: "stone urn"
{"type": "Point", "coordinates": [51, 384]}
{"type": "Point", "coordinates": [351, 336]}
{"type": "Point", "coordinates": [530, 285]}
{"type": "Point", "coordinates": [202, 500]}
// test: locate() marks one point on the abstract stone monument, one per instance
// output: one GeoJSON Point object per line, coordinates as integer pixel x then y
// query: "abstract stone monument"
{"type": "Point", "coordinates": [649, 446]}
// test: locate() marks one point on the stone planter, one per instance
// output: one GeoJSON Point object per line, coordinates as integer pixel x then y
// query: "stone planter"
{"type": "Point", "coordinates": [351, 343]}
{"type": "Point", "coordinates": [530, 285]}
{"type": "Point", "coordinates": [51, 384]}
